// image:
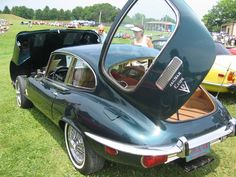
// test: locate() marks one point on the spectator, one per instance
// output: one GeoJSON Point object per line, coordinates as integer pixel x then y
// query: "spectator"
{"type": "Point", "coordinates": [140, 39]}
{"type": "Point", "coordinates": [101, 32]}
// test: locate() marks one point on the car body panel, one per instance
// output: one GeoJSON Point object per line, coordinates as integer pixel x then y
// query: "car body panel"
{"type": "Point", "coordinates": [232, 50]}
{"type": "Point", "coordinates": [217, 79]}
{"type": "Point", "coordinates": [135, 121]}
{"type": "Point", "coordinates": [42, 39]}
{"type": "Point", "coordinates": [197, 58]}
{"type": "Point", "coordinates": [33, 48]}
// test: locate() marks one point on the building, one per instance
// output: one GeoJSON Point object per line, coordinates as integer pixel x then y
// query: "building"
{"type": "Point", "coordinates": [229, 28]}
{"type": "Point", "coordinates": [160, 26]}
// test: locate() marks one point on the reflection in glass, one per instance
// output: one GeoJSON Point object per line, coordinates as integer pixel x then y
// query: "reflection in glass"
{"type": "Point", "coordinates": [149, 24]}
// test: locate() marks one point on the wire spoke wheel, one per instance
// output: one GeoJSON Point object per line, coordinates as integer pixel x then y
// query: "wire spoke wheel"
{"type": "Point", "coordinates": [82, 156]}
{"type": "Point", "coordinates": [76, 145]}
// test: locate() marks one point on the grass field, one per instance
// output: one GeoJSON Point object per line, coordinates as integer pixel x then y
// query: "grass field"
{"type": "Point", "coordinates": [31, 145]}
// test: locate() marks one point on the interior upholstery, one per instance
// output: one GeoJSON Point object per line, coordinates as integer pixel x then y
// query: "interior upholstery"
{"type": "Point", "coordinates": [197, 106]}
{"type": "Point", "coordinates": [83, 77]}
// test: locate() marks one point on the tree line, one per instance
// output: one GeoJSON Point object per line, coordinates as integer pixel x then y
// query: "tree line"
{"type": "Point", "coordinates": [223, 12]}
{"type": "Point", "coordinates": [105, 10]}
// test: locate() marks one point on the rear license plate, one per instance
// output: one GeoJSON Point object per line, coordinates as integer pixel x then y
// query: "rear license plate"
{"type": "Point", "coordinates": [198, 152]}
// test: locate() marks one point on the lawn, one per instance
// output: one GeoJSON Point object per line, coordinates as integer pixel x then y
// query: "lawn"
{"type": "Point", "coordinates": [31, 145]}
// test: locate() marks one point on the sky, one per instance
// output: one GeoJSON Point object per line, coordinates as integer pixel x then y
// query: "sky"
{"type": "Point", "coordinates": [199, 6]}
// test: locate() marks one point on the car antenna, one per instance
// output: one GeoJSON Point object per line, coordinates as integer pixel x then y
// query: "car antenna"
{"type": "Point", "coordinates": [223, 80]}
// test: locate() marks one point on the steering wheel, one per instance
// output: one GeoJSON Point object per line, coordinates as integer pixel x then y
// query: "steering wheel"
{"type": "Point", "coordinates": [59, 74]}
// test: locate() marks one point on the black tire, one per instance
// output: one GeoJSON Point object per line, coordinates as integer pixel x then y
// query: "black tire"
{"type": "Point", "coordinates": [21, 99]}
{"type": "Point", "coordinates": [84, 159]}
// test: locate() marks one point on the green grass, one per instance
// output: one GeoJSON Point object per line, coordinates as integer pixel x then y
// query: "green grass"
{"type": "Point", "coordinates": [31, 145]}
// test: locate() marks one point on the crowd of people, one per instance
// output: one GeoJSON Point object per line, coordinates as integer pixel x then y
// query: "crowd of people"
{"type": "Point", "coordinates": [139, 38]}
{"type": "Point", "coordinates": [224, 38]}
{"type": "Point", "coordinates": [4, 25]}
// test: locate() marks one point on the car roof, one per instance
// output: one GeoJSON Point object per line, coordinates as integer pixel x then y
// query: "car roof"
{"type": "Point", "coordinates": [91, 53]}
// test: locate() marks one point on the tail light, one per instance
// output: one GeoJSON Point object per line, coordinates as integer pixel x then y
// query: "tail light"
{"type": "Point", "coordinates": [151, 161]}
{"type": "Point", "coordinates": [221, 75]}
{"type": "Point", "coordinates": [231, 76]}
{"type": "Point", "coordinates": [111, 151]}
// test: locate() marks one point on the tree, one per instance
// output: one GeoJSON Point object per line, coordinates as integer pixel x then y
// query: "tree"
{"type": "Point", "coordinates": [53, 14]}
{"type": "Point", "coordinates": [61, 14]}
{"type": "Point", "coordinates": [23, 11]}
{"type": "Point", "coordinates": [46, 13]}
{"type": "Point", "coordinates": [39, 14]}
{"type": "Point", "coordinates": [67, 15]}
{"type": "Point", "coordinates": [6, 10]}
{"type": "Point", "coordinates": [167, 18]}
{"type": "Point", "coordinates": [77, 13]}
{"type": "Point", "coordinates": [107, 11]}
{"type": "Point", "coordinates": [223, 12]}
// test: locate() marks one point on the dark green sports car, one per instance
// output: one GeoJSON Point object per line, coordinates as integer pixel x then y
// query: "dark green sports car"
{"type": "Point", "coordinates": [123, 100]}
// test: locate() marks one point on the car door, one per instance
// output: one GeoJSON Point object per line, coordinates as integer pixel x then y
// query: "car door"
{"type": "Point", "coordinates": [43, 90]}
{"type": "Point", "coordinates": [80, 79]}
{"type": "Point", "coordinates": [174, 72]}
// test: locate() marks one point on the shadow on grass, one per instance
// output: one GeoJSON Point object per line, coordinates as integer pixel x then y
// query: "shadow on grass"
{"type": "Point", "coordinates": [114, 169]}
{"type": "Point", "coordinates": [55, 131]}
{"type": "Point", "coordinates": [168, 170]}
{"type": "Point", "coordinates": [226, 98]}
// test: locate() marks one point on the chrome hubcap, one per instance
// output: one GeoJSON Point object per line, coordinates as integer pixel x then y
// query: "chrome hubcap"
{"type": "Point", "coordinates": [18, 96]}
{"type": "Point", "coordinates": [76, 145]}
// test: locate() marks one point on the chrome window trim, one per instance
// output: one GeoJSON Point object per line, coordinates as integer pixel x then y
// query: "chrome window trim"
{"type": "Point", "coordinates": [75, 57]}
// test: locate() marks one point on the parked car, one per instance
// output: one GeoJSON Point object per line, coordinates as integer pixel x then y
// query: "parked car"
{"type": "Point", "coordinates": [90, 93]}
{"type": "Point", "coordinates": [232, 50]}
{"type": "Point", "coordinates": [159, 43]}
{"type": "Point", "coordinates": [222, 75]}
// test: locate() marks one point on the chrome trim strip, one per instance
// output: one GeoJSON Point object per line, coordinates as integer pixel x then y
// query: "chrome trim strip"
{"type": "Point", "coordinates": [218, 85]}
{"type": "Point", "coordinates": [136, 150]}
{"type": "Point", "coordinates": [179, 148]}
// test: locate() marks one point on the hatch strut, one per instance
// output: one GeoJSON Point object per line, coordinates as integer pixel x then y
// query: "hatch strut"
{"type": "Point", "coordinates": [177, 114]}
{"type": "Point", "coordinates": [223, 80]}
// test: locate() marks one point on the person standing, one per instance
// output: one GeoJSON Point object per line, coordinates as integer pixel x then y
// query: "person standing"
{"type": "Point", "coordinates": [101, 32]}
{"type": "Point", "coordinates": [140, 39]}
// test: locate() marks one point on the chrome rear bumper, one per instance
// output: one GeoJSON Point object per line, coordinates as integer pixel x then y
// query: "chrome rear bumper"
{"type": "Point", "coordinates": [179, 150]}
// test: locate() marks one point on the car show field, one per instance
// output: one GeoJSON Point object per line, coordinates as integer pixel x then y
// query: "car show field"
{"type": "Point", "coordinates": [31, 145]}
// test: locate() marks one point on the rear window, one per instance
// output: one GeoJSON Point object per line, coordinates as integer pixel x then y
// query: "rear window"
{"type": "Point", "coordinates": [138, 41]}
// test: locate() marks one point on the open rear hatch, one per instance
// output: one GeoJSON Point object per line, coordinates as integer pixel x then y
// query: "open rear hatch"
{"type": "Point", "coordinates": [162, 84]}
{"type": "Point", "coordinates": [33, 48]}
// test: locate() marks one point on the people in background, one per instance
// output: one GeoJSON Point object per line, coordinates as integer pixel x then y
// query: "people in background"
{"type": "Point", "coordinates": [140, 39]}
{"type": "Point", "coordinates": [101, 32]}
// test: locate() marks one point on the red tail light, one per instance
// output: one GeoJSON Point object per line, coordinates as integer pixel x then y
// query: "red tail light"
{"type": "Point", "coordinates": [231, 76]}
{"type": "Point", "coordinates": [151, 161]}
{"type": "Point", "coordinates": [111, 151]}
{"type": "Point", "coordinates": [221, 75]}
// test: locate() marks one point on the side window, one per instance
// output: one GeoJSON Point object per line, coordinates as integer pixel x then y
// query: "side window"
{"type": "Point", "coordinates": [58, 67]}
{"type": "Point", "coordinates": [138, 41]}
{"type": "Point", "coordinates": [83, 75]}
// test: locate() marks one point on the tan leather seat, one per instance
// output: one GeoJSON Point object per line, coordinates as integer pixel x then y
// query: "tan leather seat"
{"type": "Point", "coordinates": [83, 77]}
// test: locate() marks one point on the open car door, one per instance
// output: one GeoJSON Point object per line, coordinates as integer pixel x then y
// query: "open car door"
{"type": "Point", "coordinates": [157, 81]}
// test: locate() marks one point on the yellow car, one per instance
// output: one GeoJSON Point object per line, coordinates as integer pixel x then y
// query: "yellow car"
{"type": "Point", "coordinates": [222, 75]}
